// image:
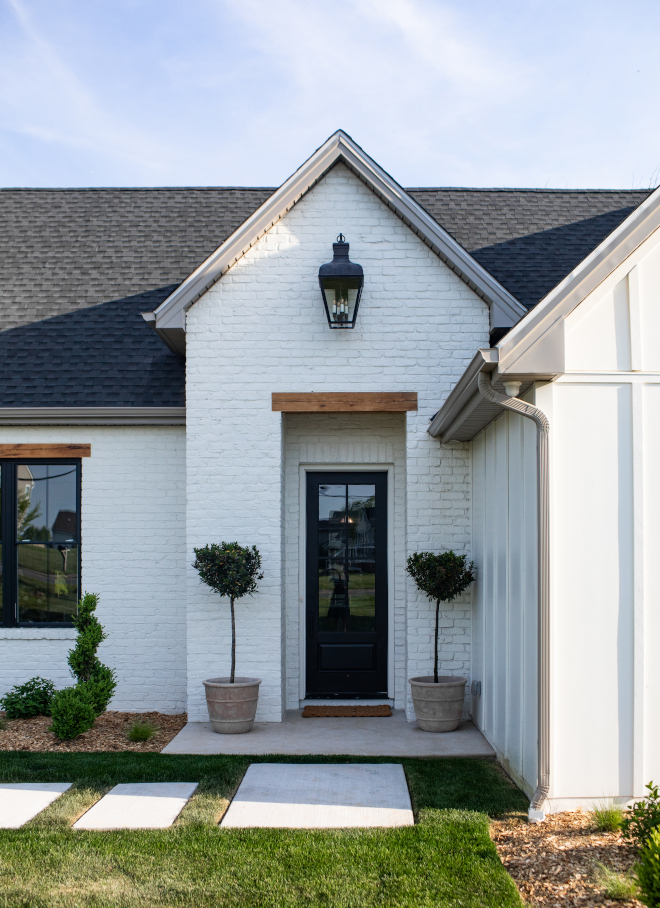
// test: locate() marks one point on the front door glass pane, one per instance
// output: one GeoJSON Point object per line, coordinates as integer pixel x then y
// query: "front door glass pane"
{"type": "Point", "coordinates": [362, 557]}
{"type": "Point", "coordinates": [346, 558]}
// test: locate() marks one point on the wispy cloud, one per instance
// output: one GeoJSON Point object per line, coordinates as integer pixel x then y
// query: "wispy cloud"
{"type": "Point", "coordinates": [42, 97]}
{"type": "Point", "coordinates": [469, 92]}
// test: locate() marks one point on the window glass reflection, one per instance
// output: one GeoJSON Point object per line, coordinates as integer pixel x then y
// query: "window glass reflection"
{"type": "Point", "coordinates": [47, 582]}
{"type": "Point", "coordinates": [46, 503]}
{"type": "Point", "coordinates": [346, 558]}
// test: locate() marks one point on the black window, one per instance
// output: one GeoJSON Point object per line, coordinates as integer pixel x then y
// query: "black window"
{"type": "Point", "coordinates": [39, 541]}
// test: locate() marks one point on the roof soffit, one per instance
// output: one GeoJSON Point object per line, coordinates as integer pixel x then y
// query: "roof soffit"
{"type": "Point", "coordinates": [169, 318]}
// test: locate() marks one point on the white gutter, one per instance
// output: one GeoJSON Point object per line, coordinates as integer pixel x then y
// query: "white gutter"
{"type": "Point", "coordinates": [536, 812]}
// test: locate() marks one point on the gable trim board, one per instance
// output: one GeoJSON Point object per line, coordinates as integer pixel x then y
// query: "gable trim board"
{"type": "Point", "coordinates": [168, 320]}
{"type": "Point", "coordinates": [92, 416]}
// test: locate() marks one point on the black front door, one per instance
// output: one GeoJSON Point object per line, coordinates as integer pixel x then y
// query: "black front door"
{"type": "Point", "coordinates": [347, 584]}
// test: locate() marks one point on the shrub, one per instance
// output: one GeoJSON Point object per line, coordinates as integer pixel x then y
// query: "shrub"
{"type": "Point", "coordinates": [442, 577]}
{"type": "Point", "coordinates": [648, 870]}
{"type": "Point", "coordinates": [620, 887]}
{"type": "Point", "coordinates": [643, 817]}
{"type": "Point", "coordinates": [83, 661]}
{"type": "Point", "coordinates": [33, 698]}
{"type": "Point", "coordinates": [72, 711]}
{"type": "Point", "coordinates": [607, 817]}
{"type": "Point", "coordinates": [141, 731]}
{"type": "Point", "coordinates": [231, 570]}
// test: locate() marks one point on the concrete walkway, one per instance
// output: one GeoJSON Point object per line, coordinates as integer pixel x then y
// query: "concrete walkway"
{"type": "Point", "coordinates": [320, 796]}
{"type": "Point", "coordinates": [138, 805]}
{"type": "Point", "coordinates": [20, 802]}
{"type": "Point", "coordinates": [391, 737]}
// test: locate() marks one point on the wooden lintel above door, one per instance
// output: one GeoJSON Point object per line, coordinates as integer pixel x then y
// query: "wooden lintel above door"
{"type": "Point", "coordinates": [45, 450]}
{"type": "Point", "coordinates": [345, 401]}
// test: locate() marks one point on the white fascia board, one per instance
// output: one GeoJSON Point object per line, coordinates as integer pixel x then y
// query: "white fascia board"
{"type": "Point", "coordinates": [92, 416]}
{"type": "Point", "coordinates": [505, 309]}
{"type": "Point", "coordinates": [464, 395]}
{"type": "Point", "coordinates": [568, 294]}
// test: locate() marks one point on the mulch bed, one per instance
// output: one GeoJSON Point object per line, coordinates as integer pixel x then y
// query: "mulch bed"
{"type": "Point", "coordinates": [110, 733]}
{"type": "Point", "coordinates": [552, 863]}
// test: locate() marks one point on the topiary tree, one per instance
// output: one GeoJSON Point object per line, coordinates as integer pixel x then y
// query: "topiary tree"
{"type": "Point", "coordinates": [99, 680]}
{"type": "Point", "coordinates": [442, 578]}
{"type": "Point", "coordinates": [231, 570]}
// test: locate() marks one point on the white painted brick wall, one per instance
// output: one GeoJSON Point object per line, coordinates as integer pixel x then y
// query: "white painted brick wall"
{"type": "Point", "coordinates": [133, 513]}
{"type": "Point", "coordinates": [261, 329]}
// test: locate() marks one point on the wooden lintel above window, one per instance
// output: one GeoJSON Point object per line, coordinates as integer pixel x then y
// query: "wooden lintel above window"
{"type": "Point", "coordinates": [15, 451]}
{"type": "Point", "coordinates": [345, 401]}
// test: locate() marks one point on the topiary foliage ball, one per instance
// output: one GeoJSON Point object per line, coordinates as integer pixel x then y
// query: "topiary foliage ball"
{"type": "Point", "coordinates": [442, 577]}
{"type": "Point", "coordinates": [230, 569]}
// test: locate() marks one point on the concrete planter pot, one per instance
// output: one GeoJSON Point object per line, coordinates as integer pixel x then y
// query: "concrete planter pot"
{"type": "Point", "coordinates": [232, 706]}
{"type": "Point", "coordinates": [438, 707]}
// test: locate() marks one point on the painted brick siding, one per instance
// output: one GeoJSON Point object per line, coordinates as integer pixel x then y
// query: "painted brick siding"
{"type": "Point", "coordinates": [133, 513]}
{"type": "Point", "coordinates": [369, 439]}
{"type": "Point", "coordinates": [262, 328]}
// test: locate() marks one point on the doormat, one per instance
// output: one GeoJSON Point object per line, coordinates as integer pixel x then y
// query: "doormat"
{"type": "Point", "coordinates": [332, 712]}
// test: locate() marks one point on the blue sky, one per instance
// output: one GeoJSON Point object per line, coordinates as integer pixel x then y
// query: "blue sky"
{"type": "Point", "coordinates": [240, 92]}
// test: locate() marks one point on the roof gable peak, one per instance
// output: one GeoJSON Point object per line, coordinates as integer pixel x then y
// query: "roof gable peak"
{"type": "Point", "coordinates": [168, 319]}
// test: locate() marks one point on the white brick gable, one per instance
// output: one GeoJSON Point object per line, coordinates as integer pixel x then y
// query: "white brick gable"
{"type": "Point", "coordinates": [261, 329]}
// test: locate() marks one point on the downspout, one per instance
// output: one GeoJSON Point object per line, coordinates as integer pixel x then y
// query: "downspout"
{"type": "Point", "coordinates": [536, 809]}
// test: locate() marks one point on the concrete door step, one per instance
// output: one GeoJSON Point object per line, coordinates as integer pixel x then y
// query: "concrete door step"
{"type": "Point", "coordinates": [138, 805]}
{"type": "Point", "coordinates": [20, 802]}
{"type": "Point", "coordinates": [321, 796]}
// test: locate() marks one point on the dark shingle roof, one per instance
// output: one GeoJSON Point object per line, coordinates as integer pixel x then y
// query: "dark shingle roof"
{"type": "Point", "coordinates": [77, 266]}
{"type": "Point", "coordinates": [529, 239]}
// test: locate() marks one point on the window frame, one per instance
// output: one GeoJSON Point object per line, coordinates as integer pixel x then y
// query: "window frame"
{"type": "Point", "coordinates": [8, 537]}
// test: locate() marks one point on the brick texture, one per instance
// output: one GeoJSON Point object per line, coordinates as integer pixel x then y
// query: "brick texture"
{"type": "Point", "coordinates": [133, 513]}
{"type": "Point", "coordinates": [261, 329]}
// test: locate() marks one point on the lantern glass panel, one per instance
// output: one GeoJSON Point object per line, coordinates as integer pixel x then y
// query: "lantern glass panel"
{"type": "Point", "coordinates": [341, 295]}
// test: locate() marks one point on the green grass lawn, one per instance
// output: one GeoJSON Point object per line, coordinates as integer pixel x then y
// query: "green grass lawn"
{"type": "Point", "coordinates": [446, 859]}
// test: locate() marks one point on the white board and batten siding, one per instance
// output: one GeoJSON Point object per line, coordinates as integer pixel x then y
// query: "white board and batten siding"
{"type": "Point", "coordinates": [606, 568]}
{"type": "Point", "coordinates": [504, 547]}
{"type": "Point", "coordinates": [604, 414]}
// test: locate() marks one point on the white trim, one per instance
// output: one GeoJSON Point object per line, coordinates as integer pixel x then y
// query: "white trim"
{"type": "Point", "coordinates": [92, 416]}
{"type": "Point", "coordinates": [635, 378]}
{"type": "Point", "coordinates": [305, 468]}
{"type": "Point", "coordinates": [169, 319]}
{"type": "Point", "coordinates": [638, 586]}
{"type": "Point", "coordinates": [635, 314]}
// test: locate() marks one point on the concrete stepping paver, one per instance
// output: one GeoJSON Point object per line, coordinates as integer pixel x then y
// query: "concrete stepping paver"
{"type": "Point", "coordinates": [21, 801]}
{"type": "Point", "coordinates": [138, 805]}
{"type": "Point", "coordinates": [321, 796]}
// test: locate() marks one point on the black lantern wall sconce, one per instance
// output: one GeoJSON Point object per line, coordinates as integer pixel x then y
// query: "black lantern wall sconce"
{"type": "Point", "coordinates": [341, 285]}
